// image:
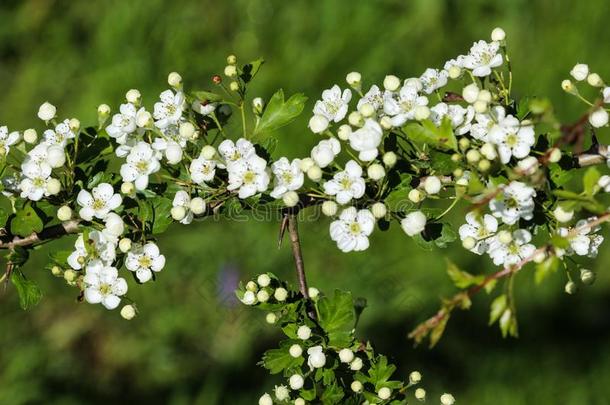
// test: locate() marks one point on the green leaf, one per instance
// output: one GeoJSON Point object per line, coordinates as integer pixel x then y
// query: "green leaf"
{"type": "Point", "coordinates": [560, 176]}
{"type": "Point", "coordinates": [251, 69]}
{"type": "Point", "coordinates": [590, 179]}
{"type": "Point", "coordinates": [337, 317]}
{"type": "Point", "coordinates": [508, 323]}
{"type": "Point", "coordinates": [278, 360]}
{"type": "Point", "coordinates": [428, 133]}
{"type": "Point", "coordinates": [279, 112]}
{"type": "Point", "coordinates": [380, 372]}
{"type": "Point", "coordinates": [398, 200]}
{"type": "Point", "coordinates": [332, 394]}
{"type": "Point", "coordinates": [439, 329]}
{"type": "Point", "coordinates": [26, 221]}
{"type": "Point", "coordinates": [29, 293]}
{"type": "Point", "coordinates": [3, 217]}
{"type": "Point", "coordinates": [162, 216]}
{"type": "Point", "coordinates": [497, 308]}
{"type": "Point", "coordinates": [550, 265]}
{"type": "Point", "coordinates": [203, 95]}
{"type": "Point", "coordinates": [460, 278]}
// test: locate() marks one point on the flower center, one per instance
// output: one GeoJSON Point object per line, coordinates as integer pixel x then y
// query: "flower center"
{"type": "Point", "coordinates": [354, 228]}
{"type": "Point", "coordinates": [406, 105]}
{"type": "Point", "coordinates": [105, 289]}
{"type": "Point", "coordinates": [145, 261]}
{"type": "Point", "coordinates": [332, 106]}
{"type": "Point", "coordinates": [38, 182]}
{"type": "Point", "coordinates": [287, 177]}
{"type": "Point", "coordinates": [512, 139]}
{"type": "Point", "coordinates": [142, 166]}
{"type": "Point", "coordinates": [346, 183]}
{"type": "Point", "coordinates": [98, 204]}
{"type": "Point", "coordinates": [513, 249]}
{"type": "Point", "coordinates": [249, 177]}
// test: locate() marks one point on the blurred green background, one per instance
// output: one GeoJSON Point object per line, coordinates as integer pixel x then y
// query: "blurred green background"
{"type": "Point", "coordinates": [192, 343]}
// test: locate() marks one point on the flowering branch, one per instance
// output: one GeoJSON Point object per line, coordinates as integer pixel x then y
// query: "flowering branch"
{"type": "Point", "coordinates": [52, 232]}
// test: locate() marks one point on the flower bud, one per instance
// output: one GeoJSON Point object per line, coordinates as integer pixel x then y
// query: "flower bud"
{"type": "Point", "coordinates": [290, 198]}
{"type": "Point", "coordinates": [569, 87]}
{"type": "Point", "coordinates": [489, 151]}
{"type": "Point", "coordinates": [143, 119]}
{"type": "Point", "coordinates": [304, 332]}
{"type": "Point", "coordinates": [587, 276]}
{"type": "Point", "coordinates": [313, 292]}
{"type": "Point", "coordinates": [414, 223]}
{"type": "Point", "coordinates": [317, 358]}
{"type": "Point", "coordinates": [231, 59]}
{"type": "Point", "coordinates": [174, 79]}
{"type": "Point", "coordinates": [415, 83]}
{"type": "Point", "coordinates": [128, 312]}
{"type": "Point", "coordinates": [484, 165]}
{"type": "Point", "coordinates": [103, 110]}
{"type": "Point", "coordinates": [265, 400]}
{"type": "Point", "coordinates": [173, 153]}
{"type": "Point", "coordinates": [70, 275]}
{"type": "Point", "coordinates": [389, 159]}
{"type": "Point", "coordinates": [133, 96]}
{"type": "Point", "coordinates": [296, 382]}
{"type": "Point", "coordinates": [64, 213]}
{"type": "Point", "coordinates": [562, 215]}
{"type": "Point", "coordinates": [305, 164]}
{"type": "Point", "coordinates": [447, 399]}
{"type": "Point", "coordinates": [498, 34]}
{"type": "Point", "coordinates": [595, 80]}
{"type": "Point", "coordinates": [53, 186]}
{"type": "Point", "coordinates": [354, 79]}
{"type": "Point", "coordinates": [464, 143]}
{"type": "Point", "coordinates": [56, 156]}
{"type": "Point", "coordinates": [178, 213]}
{"type": "Point", "coordinates": [251, 286]}
{"type": "Point", "coordinates": [127, 188]}
{"type": "Point", "coordinates": [314, 173]}
{"type": "Point", "coordinates": [599, 118]}
{"type": "Point", "coordinates": [281, 392]}
{"type": "Point", "coordinates": [74, 124]}
{"type": "Point", "coordinates": [384, 393]}
{"type": "Point", "coordinates": [299, 401]}
{"type": "Point", "coordinates": [257, 105]}
{"type": "Point", "coordinates": [469, 243]}
{"type": "Point", "coordinates": [415, 196]}
{"type": "Point", "coordinates": [318, 124]}
{"type": "Point", "coordinates": [470, 93]}
{"type": "Point", "coordinates": [454, 72]}
{"type": "Point", "coordinates": [580, 71]}
{"type": "Point", "coordinates": [329, 208]}
{"type": "Point", "coordinates": [505, 237]}
{"type": "Point", "coordinates": [391, 83]}
{"type": "Point", "coordinates": [386, 122]}
{"type": "Point", "coordinates": [420, 394]}
{"type": "Point", "coordinates": [295, 350]}
{"type": "Point", "coordinates": [47, 111]}
{"type": "Point", "coordinates": [30, 136]}
{"type": "Point", "coordinates": [197, 205]}
{"type": "Point", "coordinates": [356, 364]}
{"type": "Point", "coordinates": [379, 210]}
{"type": "Point", "coordinates": [125, 245]}
{"type": "Point", "coordinates": [280, 294]}
{"type": "Point", "coordinates": [554, 155]}
{"type": "Point", "coordinates": [367, 110]}
{"type": "Point", "coordinates": [56, 271]}
{"type": "Point", "coordinates": [571, 288]}
{"type": "Point", "coordinates": [480, 106]}
{"type": "Point", "coordinates": [234, 86]}
{"type": "Point", "coordinates": [415, 377]}
{"type": "Point", "coordinates": [485, 95]}
{"type": "Point", "coordinates": [230, 71]}
{"type": "Point", "coordinates": [432, 185]}
{"type": "Point", "coordinates": [356, 119]}
{"type": "Point", "coordinates": [249, 298]}
{"type": "Point", "coordinates": [262, 296]}
{"type": "Point", "coordinates": [539, 257]}
{"type": "Point", "coordinates": [422, 112]}
{"type": "Point", "coordinates": [271, 318]}
{"type": "Point", "coordinates": [187, 130]}
{"type": "Point", "coordinates": [344, 132]}
{"type": "Point", "coordinates": [356, 386]}
{"type": "Point", "coordinates": [263, 280]}
{"type": "Point", "coordinates": [346, 356]}
{"type": "Point", "coordinates": [208, 152]}
{"type": "Point", "coordinates": [376, 172]}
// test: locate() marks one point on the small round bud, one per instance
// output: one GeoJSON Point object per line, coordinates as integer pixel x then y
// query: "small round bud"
{"type": "Point", "coordinates": [262, 296]}
{"type": "Point", "coordinates": [379, 210]}
{"type": "Point", "coordinates": [144, 119]}
{"type": "Point", "coordinates": [356, 119]}
{"type": "Point", "coordinates": [344, 132]}
{"type": "Point", "coordinates": [432, 185]}
{"type": "Point", "coordinates": [569, 87]}
{"type": "Point", "coordinates": [56, 156]}
{"type": "Point", "coordinates": [376, 172]}
{"type": "Point", "coordinates": [125, 245]}
{"type": "Point", "coordinates": [415, 196]}
{"type": "Point", "coordinates": [318, 124]}
{"type": "Point", "coordinates": [208, 152]}
{"type": "Point", "coordinates": [554, 155]}
{"type": "Point", "coordinates": [231, 59]}
{"type": "Point", "coordinates": [422, 112]}
{"type": "Point", "coordinates": [415, 377]}
{"type": "Point", "coordinates": [281, 392]}
{"type": "Point", "coordinates": [563, 215]}
{"type": "Point", "coordinates": [128, 312]}
{"type": "Point", "coordinates": [498, 34]}
{"type": "Point", "coordinates": [447, 399]}
{"type": "Point", "coordinates": [306, 164]}
{"type": "Point", "coordinates": [304, 332]}
{"type": "Point", "coordinates": [464, 143]}
{"type": "Point", "coordinates": [234, 86]}
{"type": "Point", "coordinates": [329, 208]}
{"type": "Point", "coordinates": [299, 401]}
{"type": "Point", "coordinates": [469, 243]}
{"type": "Point", "coordinates": [489, 151]}
{"type": "Point", "coordinates": [133, 96]}
{"type": "Point", "coordinates": [539, 257]}
{"type": "Point", "coordinates": [263, 280]}
{"type": "Point", "coordinates": [356, 386]}
{"type": "Point", "coordinates": [249, 298]}
{"type": "Point", "coordinates": [346, 355]}
{"type": "Point", "coordinates": [174, 79]}
{"type": "Point", "coordinates": [64, 213]}
{"type": "Point", "coordinates": [599, 118]}
{"type": "Point", "coordinates": [257, 105]}
{"type": "Point", "coordinates": [384, 393]}
{"type": "Point", "coordinates": [587, 276]}
{"type": "Point", "coordinates": [391, 83]}
{"type": "Point", "coordinates": [505, 237]}
{"type": "Point", "coordinates": [389, 159]}
{"type": "Point", "coordinates": [173, 153]}
{"type": "Point", "coordinates": [470, 93]}
{"type": "Point", "coordinates": [356, 364]}
{"type": "Point", "coordinates": [455, 72]}
{"type": "Point", "coordinates": [127, 188]}
{"type": "Point", "coordinates": [290, 198]}
{"type": "Point", "coordinates": [580, 71]}
{"type": "Point", "coordinates": [216, 79]}
{"type": "Point", "coordinates": [103, 110]}
{"type": "Point", "coordinates": [420, 394]}
{"type": "Point", "coordinates": [295, 351]}
{"type": "Point", "coordinates": [313, 292]}
{"type": "Point", "coordinates": [251, 286]}
{"type": "Point", "coordinates": [354, 79]}
{"type": "Point", "coordinates": [367, 110]}
{"type": "Point", "coordinates": [230, 71]}
{"type": "Point", "coordinates": [485, 95]}
{"type": "Point", "coordinates": [74, 124]}
{"type": "Point", "coordinates": [30, 136]}
{"type": "Point", "coordinates": [314, 173]}
{"type": "Point", "coordinates": [53, 186]}
{"type": "Point", "coordinates": [280, 294]}
{"type": "Point", "coordinates": [480, 106]}
{"type": "Point", "coordinates": [595, 80]}
{"type": "Point", "coordinates": [456, 157]}
{"type": "Point", "coordinates": [187, 130]}
{"type": "Point", "coordinates": [56, 271]}
{"type": "Point", "coordinates": [386, 122]}
{"type": "Point", "coordinates": [265, 400]}
{"type": "Point", "coordinates": [296, 382]}
{"type": "Point", "coordinates": [571, 288]}
{"type": "Point", "coordinates": [47, 111]}
{"type": "Point", "coordinates": [197, 205]}
{"type": "Point", "coordinates": [458, 172]}
{"type": "Point", "coordinates": [70, 275]}
{"type": "Point", "coordinates": [414, 223]}
{"type": "Point", "coordinates": [178, 213]}
{"type": "Point", "coordinates": [484, 165]}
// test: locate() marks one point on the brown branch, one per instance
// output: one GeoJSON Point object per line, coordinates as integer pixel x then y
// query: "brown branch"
{"type": "Point", "coordinates": [297, 254]}
{"type": "Point", "coordinates": [52, 232]}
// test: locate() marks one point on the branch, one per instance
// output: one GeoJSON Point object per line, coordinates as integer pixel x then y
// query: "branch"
{"type": "Point", "coordinates": [296, 253]}
{"type": "Point", "coordinates": [52, 232]}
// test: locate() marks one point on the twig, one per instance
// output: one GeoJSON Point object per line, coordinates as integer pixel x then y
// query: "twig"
{"type": "Point", "coordinates": [51, 232]}
{"type": "Point", "coordinates": [297, 254]}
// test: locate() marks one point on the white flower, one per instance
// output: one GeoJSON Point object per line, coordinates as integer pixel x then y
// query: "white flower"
{"type": "Point", "coordinates": [347, 184]}
{"type": "Point", "coordinates": [103, 285]}
{"type": "Point", "coordinates": [606, 94]}
{"type": "Point", "coordinates": [113, 227]}
{"type": "Point", "coordinates": [433, 79]}
{"type": "Point", "coordinates": [235, 153]}
{"type": "Point", "coordinates": [145, 260]}
{"type": "Point", "coordinates": [318, 124]}
{"type": "Point", "coordinates": [599, 117]}
{"type": "Point", "coordinates": [296, 381]}
{"type": "Point", "coordinates": [202, 170]}
{"type": "Point", "coordinates": [316, 358]}
{"type": "Point", "coordinates": [366, 140]}
{"type": "Point", "coordinates": [287, 175]}
{"type": "Point", "coordinates": [100, 246]}
{"type": "Point", "coordinates": [352, 229]}
{"type": "Point", "coordinates": [168, 111]}
{"type": "Point", "coordinates": [485, 122]}
{"type": "Point", "coordinates": [249, 176]}
{"type": "Point", "coordinates": [7, 140]}
{"type": "Point", "coordinates": [346, 355]}
{"type": "Point", "coordinates": [459, 116]}
{"type": "Point", "coordinates": [402, 106]}
{"type": "Point", "coordinates": [580, 71]}
{"type": "Point", "coordinates": [480, 228]}
{"type": "Point", "coordinates": [515, 201]}
{"type": "Point", "coordinates": [513, 252]}
{"type": "Point", "coordinates": [585, 242]}
{"type": "Point", "coordinates": [141, 162]}
{"type": "Point", "coordinates": [60, 135]}
{"type": "Point", "coordinates": [483, 56]}
{"type": "Point", "coordinates": [374, 97]}
{"type": "Point", "coordinates": [125, 123]}
{"type": "Point", "coordinates": [512, 138]}
{"type": "Point", "coordinates": [34, 185]}
{"type": "Point", "coordinates": [99, 202]}
{"type": "Point", "coordinates": [203, 108]}
{"type": "Point", "coordinates": [604, 183]}
{"type": "Point", "coordinates": [325, 151]}
{"type": "Point", "coordinates": [281, 392]}
{"type": "Point", "coordinates": [414, 223]}
{"type": "Point", "coordinates": [265, 400]}
{"type": "Point", "coordinates": [334, 104]}
{"type": "Point", "coordinates": [47, 111]}
{"type": "Point", "coordinates": [183, 199]}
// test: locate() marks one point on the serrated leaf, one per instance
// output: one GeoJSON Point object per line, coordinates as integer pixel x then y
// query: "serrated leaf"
{"type": "Point", "coordinates": [428, 133]}
{"type": "Point", "coordinates": [26, 222]}
{"type": "Point", "coordinates": [278, 360]}
{"type": "Point", "coordinates": [337, 317]}
{"type": "Point", "coordinates": [461, 278]}
{"type": "Point", "coordinates": [332, 394]}
{"type": "Point", "coordinates": [162, 217]}
{"type": "Point", "coordinates": [279, 113]}
{"type": "Point", "coordinates": [589, 180]}
{"type": "Point", "coordinates": [29, 293]}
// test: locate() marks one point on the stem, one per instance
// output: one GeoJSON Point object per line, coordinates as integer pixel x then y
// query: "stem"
{"type": "Point", "coordinates": [52, 232]}
{"type": "Point", "coordinates": [243, 118]}
{"type": "Point", "coordinates": [295, 242]}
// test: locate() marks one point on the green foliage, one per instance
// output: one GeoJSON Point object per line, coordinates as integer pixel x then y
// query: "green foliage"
{"type": "Point", "coordinates": [427, 133]}
{"type": "Point", "coordinates": [29, 293]}
{"type": "Point", "coordinates": [26, 221]}
{"type": "Point", "coordinates": [280, 112]}
{"type": "Point", "coordinates": [337, 317]}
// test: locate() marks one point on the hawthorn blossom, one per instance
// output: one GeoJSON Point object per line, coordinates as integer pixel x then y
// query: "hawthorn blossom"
{"type": "Point", "coordinates": [103, 285]}
{"type": "Point", "coordinates": [60, 135]}
{"type": "Point", "coordinates": [202, 170]}
{"type": "Point", "coordinates": [34, 184]}
{"type": "Point", "coordinates": [514, 251]}
{"type": "Point", "coordinates": [366, 140]}
{"type": "Point", "coordinates": [7, 139]}
{"type": "Point", "coordinates": [141, 162]}
{"type": "Point", "coordinates": [585, 242]}
{"type": "Point", "coordinates": [325, 152]}
{"type": "Point", "coordinates": [514, 202]}
{"type": "Point", "coordinates": [236, 152]}
{"type": "Point", "coordinates": [183, 199]}
{"type": "Point", "coordinates": [485, 122]}
{"type": "Point", "coordinates": [334, 104]}
{"type": "Point", "coordinates": [168, 111]}
{"type": "Point", "coordinates": [347, 184]}
{"type": "Point", "coordinates": [99, 202]}
{"type": "Point", "coordinates": [374, 97]}
{"type": "Point", "coordinates": [483, 56]}
{"type": "Point", "coordinates": [288, 176]}
{"type": "Point", "coordinates": [316, 358]}
{"type": "Point", "coordinates": [114, 226]}
{"type": "Point", "coordinates": [125, 122]}
{"type": "Point", "coordinates": [352, 229]}
{"type": "Point", "coordinates": [248, 176]}
{"type": "Point", "coordinates": [460, 117]}
{"type": "Point", "coordinates": [100, 247]}
{"type": "Point", "coordinates": [512, 138]}
{"type": "Point", "coordinates": [481, 229]}
{"type": "Point", "coordinates": [433, 79]}
{"type": "Point", "coordinates": [401, 107]}
{"type": "Point", "coordinates": [144, 260]}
